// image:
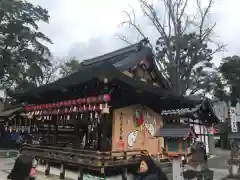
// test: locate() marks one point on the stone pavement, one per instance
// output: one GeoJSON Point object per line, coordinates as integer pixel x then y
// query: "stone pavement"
{"type": "Point", "coordinates": [7, 163]}
{"type": "Point", "coordinates": [220, 160]}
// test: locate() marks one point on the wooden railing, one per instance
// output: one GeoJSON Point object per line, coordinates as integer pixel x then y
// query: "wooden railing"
{"type": "Point", "coordinates": [81, 157]}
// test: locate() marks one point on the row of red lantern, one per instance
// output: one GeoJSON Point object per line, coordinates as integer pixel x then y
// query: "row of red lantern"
{"type": "Point", "coordinates": [80, 101]}
{"type": "Point", "coordinates": [80, 109]}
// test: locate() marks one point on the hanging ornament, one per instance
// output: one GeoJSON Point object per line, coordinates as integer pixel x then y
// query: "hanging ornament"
{"type": "Point", "coordinates": [212, 131]}
{"type": "Point", "coordinates": [161, 123]}
{"type": "Point", "coordinates": [121, 142]}
{"type": "Point", "coordinates": [138, 119]}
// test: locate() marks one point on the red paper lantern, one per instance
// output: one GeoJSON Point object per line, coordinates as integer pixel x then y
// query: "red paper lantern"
{"type": "Point", "coordinates": [53, 105]}
{"type": "Point", "coordinates": [106, 98]}
{"type": "Point", "coordinates": [79, 101]}
{"type": "Point", "coordinates": [26, 108]}
{"type": "Point", "coordinates": [69, 103]}
{"type": "Point", "coordinates": [61, 103]}
{"type": "Point", "coordinates": [57, 104]}
{"type": "Point", "coordinates": [65, 103]}
{"type": "Point", "coordinates": [94, 99]}
{"type": "Point", "coordinates": [121, 144]}
{"type": "Point", "coordinates": [99, 99]}
{"type": "Point", "coordinates": [89, 100]}
{"type": "Point", "coordinates": [74, 102]}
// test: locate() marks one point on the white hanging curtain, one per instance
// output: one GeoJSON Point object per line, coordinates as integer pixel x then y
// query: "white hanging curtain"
{"type": "Point", "coordinates": [238, 112]}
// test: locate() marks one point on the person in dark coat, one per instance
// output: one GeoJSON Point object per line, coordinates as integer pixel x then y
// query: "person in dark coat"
{"type": "Point", "coordinates": [148, 170]}
{"type": "Point", "coordinates": [23, 168]}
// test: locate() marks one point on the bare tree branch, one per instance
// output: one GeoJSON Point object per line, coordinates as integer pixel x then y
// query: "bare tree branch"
{"type": "Point", "coordinates": [203, 16]}
{"type": "Point", "coordinates": [124, 39]}
{"type": "Point", "coordinates": [179, 47]}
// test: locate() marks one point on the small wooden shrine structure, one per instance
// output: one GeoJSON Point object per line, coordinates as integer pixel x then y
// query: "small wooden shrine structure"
{"type": "Point", "coordinates": [105, 115]}
{"type": "Point", "coordinates": [177, 138]}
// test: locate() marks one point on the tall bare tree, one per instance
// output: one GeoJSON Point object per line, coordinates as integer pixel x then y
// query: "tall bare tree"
{"type": "Point", "coordinates": [182, 48]}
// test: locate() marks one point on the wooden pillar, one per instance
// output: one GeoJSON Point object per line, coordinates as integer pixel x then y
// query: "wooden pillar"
{"type": "Point", "coordinates": [47, 169]}
{"type": "Point", "coordinates": [124, 173]}
{"type": "Point", "coordinates": [177, 168]}
{"type": "Point", "coordinates": [76, 138]}
{"type": "Point", "coordinates": [230, 170]}
{"type": "Point", "coordinates": [99, 131]}
{"type": "Point", "coordinates": [48, 133]}
{"type": "Point", "coordinates": [102, 173]}
{"type": "Point", "coordinates": [62, 172]}
{"type": "Point", "coordinates": [55, 132]}
{"type": "Point", "coordinates": [80, 174]}
{"type": "Point", "coordinates": [105, 130]}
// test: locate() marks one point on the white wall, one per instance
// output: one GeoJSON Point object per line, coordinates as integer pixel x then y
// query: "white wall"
{"type": "Point", "coordinates": [201, 129]}
{"type": "Point", "coordinates": [2, 93]}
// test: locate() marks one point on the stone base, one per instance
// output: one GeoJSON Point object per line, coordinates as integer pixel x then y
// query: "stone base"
{"type": "Point", "coordinates": [230, 178]}
{"type": "Point", "coordinates": [197, 166]}
{"type": "Point", "coordinates": [206, 174]}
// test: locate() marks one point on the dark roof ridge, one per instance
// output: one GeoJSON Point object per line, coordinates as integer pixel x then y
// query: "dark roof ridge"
{"type": "Point", "coordinates": [127, 49]}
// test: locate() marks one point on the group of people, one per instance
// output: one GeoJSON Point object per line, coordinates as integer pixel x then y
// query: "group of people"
{"type": "Point", "coordinates": [24, 169]}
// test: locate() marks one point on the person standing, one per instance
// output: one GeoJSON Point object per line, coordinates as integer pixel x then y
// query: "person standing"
{"type": "Point", "coordinates": [148, 170]}
{"type": "Point", "coordinates": [23, 169]}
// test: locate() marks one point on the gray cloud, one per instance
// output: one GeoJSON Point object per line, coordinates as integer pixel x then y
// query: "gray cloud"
{"type": "Point", "coordinates": [81, 31]}
{"type": "Point", "coordinates": [94, 47]}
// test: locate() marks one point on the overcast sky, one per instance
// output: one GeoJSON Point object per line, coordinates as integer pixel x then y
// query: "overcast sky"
{"type": "Point", "coordinates": [87, 28]}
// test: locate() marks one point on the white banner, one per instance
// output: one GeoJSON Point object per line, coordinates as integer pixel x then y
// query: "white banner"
{"type": "Point", "coordinates": [233, 119]}
{"type": "Point", "coordinates": [238, 111]}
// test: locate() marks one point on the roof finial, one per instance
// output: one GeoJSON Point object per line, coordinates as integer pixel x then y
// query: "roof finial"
{"type": "Point", "coordinates": [144, 41]}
